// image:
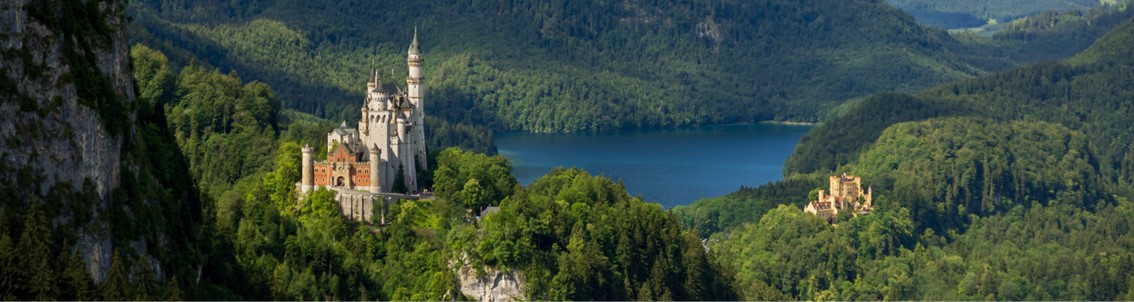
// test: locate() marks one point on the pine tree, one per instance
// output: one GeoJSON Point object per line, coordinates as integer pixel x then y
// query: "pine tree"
{"type": "Point", "coordinates": [400, 181]}
{"type": "Point", "coordinates": [173, 290]}
{"type": "Point", "coordinates": [116, 287]}
{"type": "Point", "coordinates": [79, 279]}
{"type": "Point", "coordinates": [146, 284]}
{"type": "Point", "coordinates": [37, 275]}
{"type": "Point", "coordinates": [76, 283]}
{"type": "Point", "coordinates": [8, 268]}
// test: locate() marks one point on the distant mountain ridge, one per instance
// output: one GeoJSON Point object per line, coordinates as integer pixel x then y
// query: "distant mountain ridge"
{"type": "Point", "coordinates": [1086, 93]}
{"type": "Point", "coordinates": [973, 13]}
{"type": "Point", "coordinates": [567, 65]}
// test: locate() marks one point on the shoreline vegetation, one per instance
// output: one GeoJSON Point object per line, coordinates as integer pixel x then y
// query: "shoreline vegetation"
{"type": "Point", "coordinates": [790, 123]}
{"type": "Point", "coordinates": [768, 122]}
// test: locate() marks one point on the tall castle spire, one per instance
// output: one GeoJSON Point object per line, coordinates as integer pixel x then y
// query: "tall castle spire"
{"type": "Point", "coordinates": [414, 48]}
{"type": "Point", "coordinates": [414, 94]}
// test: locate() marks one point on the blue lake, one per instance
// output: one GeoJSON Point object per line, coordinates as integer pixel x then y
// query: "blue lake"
{"type": "Point", "coordinates": [668, 166]}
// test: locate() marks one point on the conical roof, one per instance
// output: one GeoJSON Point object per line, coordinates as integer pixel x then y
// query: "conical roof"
{"type": "Point", "coordinates": [414, 48]}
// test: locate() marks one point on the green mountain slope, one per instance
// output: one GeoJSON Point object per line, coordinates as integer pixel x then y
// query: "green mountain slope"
{"type": "Point", "coordinates": [1013, 186]}
{"type": "Point", "coordinates": [1086, 93]}
{"type": "Point", "coordinates": [1082, 94]}
{"type": "Point", "coordinates": [973, 13]}
{"type": "Point", "coordinates": [567, 66]}
{"type": "Point", "coordinates": [1046, 36]}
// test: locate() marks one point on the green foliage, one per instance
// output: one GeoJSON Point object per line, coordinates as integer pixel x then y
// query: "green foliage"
{"type": "Point", "coordinates": [440, 134]}
{"type": "Point", "coordinates": [116, 287]}
{"type": "Point", "coordinates": [77, 284]}
{"type": "Point", "coordinates": [839, 140]}
{"type": "Point", "coordinates": [973, 13]}
{"type": "Point", "coordinates": [213, 111]}
{"type": "Point", "coordinates": [568, 66]}
{"type": "Point", "coordinates": [579, 237]}
{"type": "Point", "coordinates": [34, 259]}
{"type": "Point", "coordinates": [796, 253]}
{"type": "Point", "coordinates": [1015, 256]}
{"type": "Point", "coordinates": [943, 170]}
{"type": "Point", "coordinates": [152, 74]}
{"type": "Point", "coordinates": [1019, 198]}
{"type": "Point", "coordinates": [281, 182]}
{"type": "Point", "coordinates": [399, 184]}
{"type": "Point", "coordinates": [711, 215]}
{"type": "Point", "coordinates": [1043, 37]}
{"type": "Point", "coordinates": [472, 179]}
{"type": "Point", "coordinates": [1080, 94]}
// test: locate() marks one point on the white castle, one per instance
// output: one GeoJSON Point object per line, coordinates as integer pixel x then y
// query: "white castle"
{"type": "Point", "coordinates": [390, 138]}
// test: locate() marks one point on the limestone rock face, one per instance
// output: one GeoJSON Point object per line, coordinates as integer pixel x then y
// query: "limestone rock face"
{"type": "Point", "coordinates": [494, 285]}
{"type": "Point", "coordinates": [51, 131]}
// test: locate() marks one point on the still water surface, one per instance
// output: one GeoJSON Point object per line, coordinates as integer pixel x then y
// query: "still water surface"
{"type": "Point", "coordinates": [668, 166]}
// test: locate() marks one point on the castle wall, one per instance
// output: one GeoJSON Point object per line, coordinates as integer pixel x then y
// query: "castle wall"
{"type": "Point", "coordinates": [356, 206]}
{"type": "Point", "coordinates": [322, 174]}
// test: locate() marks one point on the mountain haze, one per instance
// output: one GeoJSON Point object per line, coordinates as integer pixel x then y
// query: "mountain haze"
{"type": "Point", "coordinates": [1083, 93]}
{"type": "Point", "coordinates": [973, 13]}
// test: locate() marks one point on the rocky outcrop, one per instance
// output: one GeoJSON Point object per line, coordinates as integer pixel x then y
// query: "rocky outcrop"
{"type": "Point", "coordinates": [62, 82]}
{"type": "Point", "coordinates": [493, 285]}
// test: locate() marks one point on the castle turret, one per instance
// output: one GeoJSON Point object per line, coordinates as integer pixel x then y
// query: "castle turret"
{"type": "Point", "coordinates": [364, 122]}
{"type": "Point", "coordinates": [373, 82]}
{"type": "Point", "coordinates": [375, 180]}
{"type": "Point", "coordinates": [415, 93]}
{"type": "Point", "coordinates": [306, 180]}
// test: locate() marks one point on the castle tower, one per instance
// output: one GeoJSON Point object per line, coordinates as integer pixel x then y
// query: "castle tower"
{"type": "Point", "coordinates": [415, 93]}
{"type": "Point", "coordinates": [375, 184]}
{"type": "Point", "coordinates": [364, 121]}
{"type": "Point", "coordinates": [306, 181]}
{"type": "Point", "coordinates": [373, 82]}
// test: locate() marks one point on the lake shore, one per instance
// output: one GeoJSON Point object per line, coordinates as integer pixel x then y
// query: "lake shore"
{"type": "Point", "coordinates": [669, 166]}
{"type": "Point", "coordinates": [789, 123]}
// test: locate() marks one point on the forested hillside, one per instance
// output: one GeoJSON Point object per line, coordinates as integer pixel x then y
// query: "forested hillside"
{"type": "Point", "coordinates": [1046, 36]}
{"type": "Point", "coordinates": [566, 66]}
{"type": "Point", "coordinates": [973, 13]}
{"type": "Point", "coordinates": [1013, 186]}
{"type": "Point", "coordinates": [262, 241]}
{"type": "Point", "coordinates": [1083, 93]}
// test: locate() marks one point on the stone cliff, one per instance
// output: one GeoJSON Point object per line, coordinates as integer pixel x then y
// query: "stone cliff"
{"type": "Point", "coordinates": [492, 285]}
{"type": "Point", "coordinates": [69, 127]}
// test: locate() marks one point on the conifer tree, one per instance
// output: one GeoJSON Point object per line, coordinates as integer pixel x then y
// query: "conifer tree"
{"type": "Point", "coordinates": [78, 280]}
{"type": "Point", "coordinates": [400, 181]}
{"type": "Point", "coordinates": [115, 287]}
{"type": "Point", "coordinates": [173, 290]}
{"type": "Point", "coordinates": [146, 283]}
{"type": "Point", "coordinates": [8, 268]}
{"type": "Point", "coordinates": [75, 282]}
{"type": "Point", "coordinates": [37, 275]}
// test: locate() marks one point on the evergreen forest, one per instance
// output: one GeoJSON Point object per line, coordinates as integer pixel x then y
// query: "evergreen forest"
{"type": "Point", "coordinates": [1002, 166]}
{"type": "Point", "coordinates": [570, 66]}
{"type": "Point", "coordinates": [1012, 186]}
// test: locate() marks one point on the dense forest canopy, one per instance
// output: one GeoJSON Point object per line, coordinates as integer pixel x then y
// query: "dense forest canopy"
{"type": "Point", "coordinates": [568, 66]}
{"type": "Point", "coordinates": [1012, 186]}
{"type": "Point", "coordinates": [973, 13]}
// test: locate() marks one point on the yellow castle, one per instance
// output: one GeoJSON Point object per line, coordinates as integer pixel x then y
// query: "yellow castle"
{"type": "Point", "coordinates": [846, 195]}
